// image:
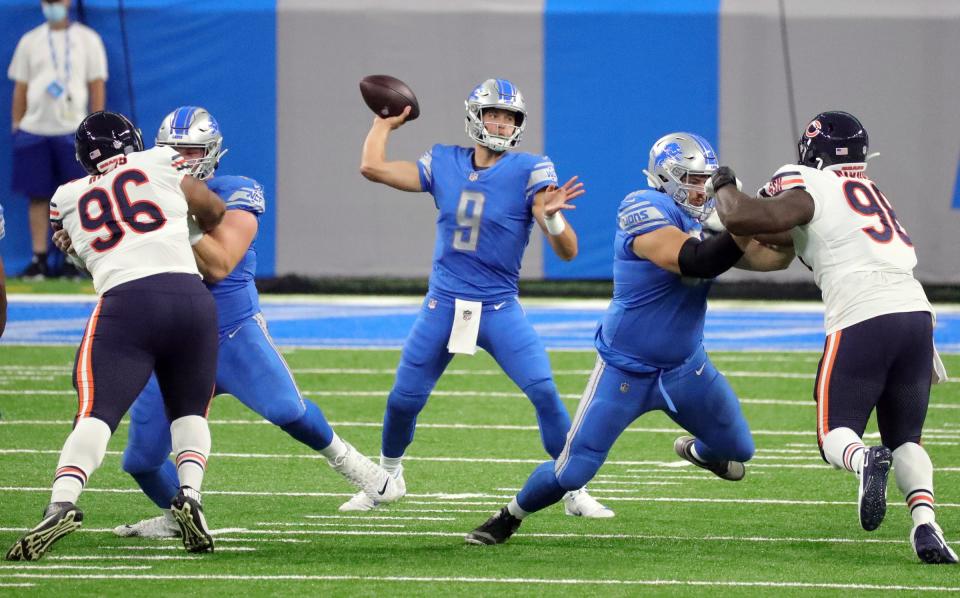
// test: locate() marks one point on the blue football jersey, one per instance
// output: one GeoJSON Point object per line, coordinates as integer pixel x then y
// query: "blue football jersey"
{"type": "Point", "coordinates": [484, 219]}
{"type": "Point", "coordinates": [656, 317]}
{"type": "Point", "coordinates": [236, 295]}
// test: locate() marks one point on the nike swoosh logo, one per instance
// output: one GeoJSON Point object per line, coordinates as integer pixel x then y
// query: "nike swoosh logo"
{"type": "Point", "coordinates": [499, 305]}
{"type": "Point", "coordinates": [233, 334]}
{"type": "Point", "coordinates": [700, 369]}
{"type": "Point", "coordinates": [384, 489]}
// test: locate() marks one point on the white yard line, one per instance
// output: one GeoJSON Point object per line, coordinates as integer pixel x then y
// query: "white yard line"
{"type": "Point", "coordinates": [671, 465]}
{"type": "Point", "coordinates": [521, 581]}
{"type": "Point", "coordinates": [475, 498]}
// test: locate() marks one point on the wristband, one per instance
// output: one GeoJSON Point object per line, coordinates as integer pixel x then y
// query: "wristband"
{"type": "Point", "coordinates": [555, 224]}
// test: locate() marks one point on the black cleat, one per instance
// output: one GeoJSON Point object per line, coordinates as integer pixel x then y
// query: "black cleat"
{"type": "Point", "coordinates": [872, 496]}
{"type": "Point", "coordinates": [727, 470]}
{"type": "Point", "coordinates": [35, 270]}
{"type": "Point", "coordinates": [59, 519]}
{"type": "Point", "coordinates": [187, 510]}
{"type": "Point", "coordinates": [495, 530]}
{"type": "Point", "coordinates": [931, 547]}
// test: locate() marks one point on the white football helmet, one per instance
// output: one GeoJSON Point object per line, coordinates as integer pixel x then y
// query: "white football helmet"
{"type": "Point", "coordinates": [495, 93]}
{"type": "Point", "coordinates": [194, 127]}
{"type": "Point", "coordinates": [674, 158]}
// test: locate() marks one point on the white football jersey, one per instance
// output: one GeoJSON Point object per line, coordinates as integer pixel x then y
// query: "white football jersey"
{"type": "Point", "coordinates": [861, 256]}
{"type": "Point", "coordinates": [131, 222]}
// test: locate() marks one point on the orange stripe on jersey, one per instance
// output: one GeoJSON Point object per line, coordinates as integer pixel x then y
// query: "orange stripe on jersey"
{"type": "Point", "coordinates": [823, 385]}
{"type": "Point", "coordinates": [84, 367]}
{"type": "Point", "coordinates": [791, 182]}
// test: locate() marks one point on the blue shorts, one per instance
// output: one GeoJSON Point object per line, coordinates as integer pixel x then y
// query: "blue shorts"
{"type": "Point", "coordinates": [41, 163]}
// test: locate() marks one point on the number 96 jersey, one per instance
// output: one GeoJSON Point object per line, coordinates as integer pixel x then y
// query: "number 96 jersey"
{"type": "Point", "coordinates": [131, 222]}
{"type": "Point", "coordinates": [861, 256]}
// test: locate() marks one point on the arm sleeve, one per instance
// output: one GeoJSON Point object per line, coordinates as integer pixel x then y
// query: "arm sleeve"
{"type": "Point", "coordinates": [248, 198]}
{"type": "Point", "coordinates": [709, 258]}
{"type": "Point", "coordinates": [19, 69]}
{"type": "Point", "coordinates": [96, 58]}
{"type": "Point", "coordinates": [542, 175]}
{"type": "Point", "coordinates": [425, 167]}
{"type": "Point", "coordinates": [787, 177]}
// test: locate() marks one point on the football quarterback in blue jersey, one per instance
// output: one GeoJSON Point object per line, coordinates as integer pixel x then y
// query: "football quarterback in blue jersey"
{"type": "Point", "coordinates": [250, 366]}
{"type": "Point", "coordinates": [488, 200]}
{"type": "Point", "coordinates": [650, 341]}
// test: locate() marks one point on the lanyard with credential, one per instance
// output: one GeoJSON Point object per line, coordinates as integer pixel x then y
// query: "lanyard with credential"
{"type": "Point", "coordinates": [66, 57]}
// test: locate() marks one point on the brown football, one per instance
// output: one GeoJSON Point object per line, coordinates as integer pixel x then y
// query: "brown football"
{"type": "Point", "coordinates": [388, 96]}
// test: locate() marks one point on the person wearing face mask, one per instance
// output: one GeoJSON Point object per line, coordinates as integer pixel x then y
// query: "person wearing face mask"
{"type": "Point", "coordinates": [58, 69]}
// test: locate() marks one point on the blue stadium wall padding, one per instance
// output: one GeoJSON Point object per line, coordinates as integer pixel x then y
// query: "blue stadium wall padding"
{"type": "Point", "coordinates": [658, 63]}
{"type": "Point", "coordinates": [177, 50]}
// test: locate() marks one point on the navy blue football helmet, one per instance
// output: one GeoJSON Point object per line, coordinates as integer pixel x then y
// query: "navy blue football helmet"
{"type": "Point", "coordinates": [832, 138]}
{"type": "Point", "coordinates": [103, 135]}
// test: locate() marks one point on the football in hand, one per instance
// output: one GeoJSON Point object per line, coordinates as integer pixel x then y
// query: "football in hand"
{"type": "Point", "coordinates": [388, 96]}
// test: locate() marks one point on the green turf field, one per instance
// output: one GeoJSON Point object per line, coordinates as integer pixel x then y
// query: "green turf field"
{"type": "Point", "coordinates": [789, 528]}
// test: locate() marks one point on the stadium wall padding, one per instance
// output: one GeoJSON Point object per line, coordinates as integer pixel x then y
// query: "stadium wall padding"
{"type": "Point", "coordinates": [220, 54]}
{"type": "Point", "coordinates": [602, 81]}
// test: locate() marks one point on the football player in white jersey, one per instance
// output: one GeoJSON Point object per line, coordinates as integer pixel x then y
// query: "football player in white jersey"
{"type": "Point", "coordinates": [879, 351]}
{"type": "Point", "coordinates": [128, 223]}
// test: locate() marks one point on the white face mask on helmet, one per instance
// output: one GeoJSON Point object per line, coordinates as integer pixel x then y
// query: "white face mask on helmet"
{"type": "Point", "coordinates": [676, 158]}
{"type": "Point", "coordinates": [194, 127]}
{"type": "Point", "coordinates": [501, 94]}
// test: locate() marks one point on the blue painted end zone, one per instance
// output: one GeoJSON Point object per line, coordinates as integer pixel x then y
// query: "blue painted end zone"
{"type": "Point", "coordinates": [362, 325]}
{"type": "Point", "coordinates": [658, 62]}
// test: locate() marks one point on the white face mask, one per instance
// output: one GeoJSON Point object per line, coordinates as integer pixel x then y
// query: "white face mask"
{"type": "Point", "coordinates": [54, 13]}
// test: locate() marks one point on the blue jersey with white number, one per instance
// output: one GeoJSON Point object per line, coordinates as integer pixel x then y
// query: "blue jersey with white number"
{"type": "Point", "coordinates": [656, 316]}
{"type": "Point", "coordinates": [485, 219]}
{"type": "Point", "coordinates": [236, 295]}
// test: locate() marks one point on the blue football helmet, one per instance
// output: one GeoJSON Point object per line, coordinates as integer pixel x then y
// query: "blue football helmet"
{"type": "Point", "coordinates": [833, 138]}
{"type": "Point", "coordinates": [495, 93]}
{"type": "Point", "coordinates": [674, 159]}
{"type": "Point", "coordinates": [194, 127]}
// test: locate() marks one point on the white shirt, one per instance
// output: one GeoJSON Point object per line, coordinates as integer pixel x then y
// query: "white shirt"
{"type": "Point", "coordinates": [41, 58]}
{"type": "Point", "coordinates": [861, 256]}
{"type": "Point", "coordinates": [140, 233]}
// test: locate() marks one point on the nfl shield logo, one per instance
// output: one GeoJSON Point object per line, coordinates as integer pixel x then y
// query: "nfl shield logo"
{"type": "Point", "coordinates": [624, 387]}
{"type": "Point", "coordinates": [467, 314]}
{"type": "Point", "coordinates": [473, 176]}
{"type": "Point", "coordinates": [432, 304]}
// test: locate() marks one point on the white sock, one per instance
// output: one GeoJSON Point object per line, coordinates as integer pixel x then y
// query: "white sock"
{"type": "Point", "coordinates": [914, 473]}
{"type": "Point", "coordinates": [391, 464]}
{"type": "Point", "coordinates": [81, 455]}
{"type": "Point", "coordinates": [515, 510]}
{"type": "Point", "coordinates": [844, 449]}
{"type": "Point", "coordinates": [336, 448]}
{"type": "Point", "coordinates": [190, 436]}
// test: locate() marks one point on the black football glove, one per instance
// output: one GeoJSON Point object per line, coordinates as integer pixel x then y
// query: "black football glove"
{"type": "Point", "coordinates": [721, 178]}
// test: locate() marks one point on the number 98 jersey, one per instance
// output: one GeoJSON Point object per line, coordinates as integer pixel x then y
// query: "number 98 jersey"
{"type": "Point", "coordinates": [131, 222]}
{"type": "Point", "coordinates": [861, 256]}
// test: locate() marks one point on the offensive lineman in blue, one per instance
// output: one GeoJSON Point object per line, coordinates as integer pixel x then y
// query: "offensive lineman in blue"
{"type": "Point", "coordinates": [650, 341]}
{"type": "Point", "coordinates": [250, 366]}
{"type": "Point", "coordinates": [488, 200]}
